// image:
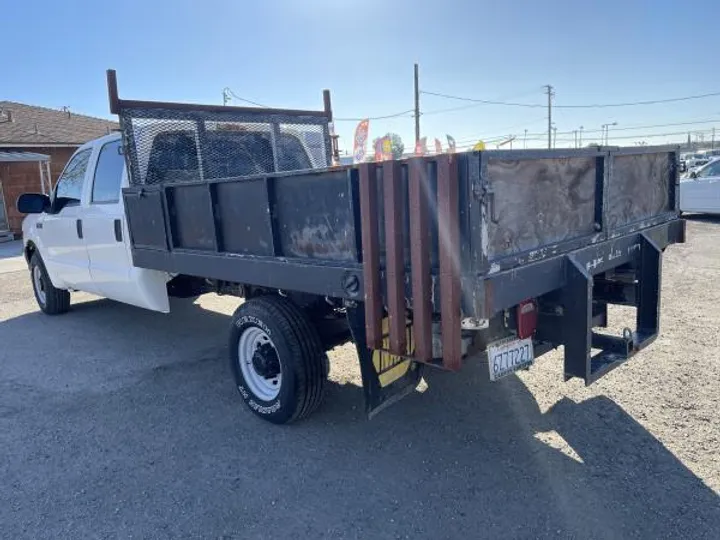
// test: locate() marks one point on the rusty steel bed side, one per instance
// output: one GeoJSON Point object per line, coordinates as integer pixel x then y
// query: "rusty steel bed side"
{"type": "Point", "coordinates": [449, 251]}
{"type": "Point", "coordinates": [394, 256]}
{"type": "Point", "coordinates": [419, 199]}
{"type": "Point", "coordinates": [371, 254]}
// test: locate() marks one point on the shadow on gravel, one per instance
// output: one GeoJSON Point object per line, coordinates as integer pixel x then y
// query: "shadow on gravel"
{"type": "Point", "coordinates": [10, 249]}
{"type": "Point", "coordinates": [174, 453]}
{"type": "Point", "coordinates": [702, 218]}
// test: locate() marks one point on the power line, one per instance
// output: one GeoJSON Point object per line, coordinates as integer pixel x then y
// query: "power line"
{"type": "Point", "coordinates": [633, 103]}
{"type": "Point", "coordinates": [234, 95]}
{"type": "Point", "coordinates": [394, 115]}
{"type": "Point", "coordinates": [470, 106]}
{"type": "Point", "coordinates": [483, 101]}
{"type": "Point", "coordinates": [542, 136]}
{"type": "Point", "coordinates": [537, 135]}
{"type": "Point", "coordinates": [492, 137]}
{"type": "Point", "coordinates": [588, 106]}
{"type": "Point", "coordinates": [628, 128]}
{"type": "Point", "coordinates": [650, 135]}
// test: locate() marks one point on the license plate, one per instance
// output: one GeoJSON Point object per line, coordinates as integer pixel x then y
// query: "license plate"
{"type": "Point", "coordinates": [505, 357]}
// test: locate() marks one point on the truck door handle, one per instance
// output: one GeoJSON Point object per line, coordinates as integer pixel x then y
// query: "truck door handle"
{"type": "Point", "coordinates": [78, 227]}
{"type": "Point", "coordinates": [118, 230]}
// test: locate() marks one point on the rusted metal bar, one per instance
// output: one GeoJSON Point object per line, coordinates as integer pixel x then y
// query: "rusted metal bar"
{"type": "Point", "coordinates": [327, 105]}
{"type": "Point", "coordinates": [449, 247]}
{"type": "Point", "coordinates": [419, 195]}
{"type": "Point", "coordinates": [371, 255]}
{"type": "Point", "coordinates": [113, 91]}
{"type": "Point", "coordinates": [394, 256]}
{"type": "Point", "coordinates": [116, 104]}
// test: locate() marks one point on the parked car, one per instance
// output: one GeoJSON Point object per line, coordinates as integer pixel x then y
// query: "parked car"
{"type": "Point", "coordinates": [711, 153]}
{"type": "Point", "coordinates": [692, 161]}
{"type": "Point", "coordinates": [700, 191]}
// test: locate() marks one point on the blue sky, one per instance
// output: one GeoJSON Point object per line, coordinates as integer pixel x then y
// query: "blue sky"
{"type": "Point", "coordinates": [283, 53]}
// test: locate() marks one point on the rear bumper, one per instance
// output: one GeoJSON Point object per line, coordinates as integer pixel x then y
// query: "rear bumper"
{"type": "Point", "coordinates": [578, 301]}
{"type": "Point", "coordinates": [510, 287]}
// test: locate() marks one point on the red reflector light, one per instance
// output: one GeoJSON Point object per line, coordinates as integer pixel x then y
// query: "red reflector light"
{"type": "Point", "coordinates": [526, 318]}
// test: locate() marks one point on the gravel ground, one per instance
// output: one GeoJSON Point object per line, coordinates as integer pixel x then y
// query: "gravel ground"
{"type": "Point", "coordinates": [116, 423]}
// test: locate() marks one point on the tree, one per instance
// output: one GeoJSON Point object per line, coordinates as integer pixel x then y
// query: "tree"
{"type": "Point", "coordinates": [398, 148]}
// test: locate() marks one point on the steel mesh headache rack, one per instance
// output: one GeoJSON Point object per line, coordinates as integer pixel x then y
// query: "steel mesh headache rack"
{"type": "Point", "coordinates": [431, 257]}
{"type": "Point", "coordinates": [175, 142]}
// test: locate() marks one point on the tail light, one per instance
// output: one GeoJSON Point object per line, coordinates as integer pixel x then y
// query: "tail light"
{"type": "Point", "coordinates": [526, 318]}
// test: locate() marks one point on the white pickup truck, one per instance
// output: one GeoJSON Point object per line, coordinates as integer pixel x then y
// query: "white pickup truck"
{"type": "Point", "coordinates": [77, 239]}
{"type": "Point", "coordinates": [420, 262]}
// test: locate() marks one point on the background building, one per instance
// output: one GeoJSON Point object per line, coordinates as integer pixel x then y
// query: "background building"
{"type": "Point", "coordinates": [29, 137]}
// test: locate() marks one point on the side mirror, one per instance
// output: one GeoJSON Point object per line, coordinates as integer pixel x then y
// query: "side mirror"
{"type": "Point", "coordinates": [33, 203]}
{"type": "Point", "coordinates": [693, 174]}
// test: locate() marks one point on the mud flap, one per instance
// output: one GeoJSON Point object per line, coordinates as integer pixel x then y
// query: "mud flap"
{"type": "Point", "coordinates": [387, 378]}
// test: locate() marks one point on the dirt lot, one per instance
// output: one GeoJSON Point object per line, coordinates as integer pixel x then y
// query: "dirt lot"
{"type": "Point", "coordinates": [116, 422]}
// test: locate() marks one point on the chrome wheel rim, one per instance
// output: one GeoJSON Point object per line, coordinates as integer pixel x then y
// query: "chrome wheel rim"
{"type": "Point", "coordinates": [39, 284]}
{"type": "Point", "coordinates": [259, 363]}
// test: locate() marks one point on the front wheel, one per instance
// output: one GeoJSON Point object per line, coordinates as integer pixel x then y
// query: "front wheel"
{"type": "Point", "coordinates": [277, 359]}
{"type": "Point", "coordinates": [51, 300]}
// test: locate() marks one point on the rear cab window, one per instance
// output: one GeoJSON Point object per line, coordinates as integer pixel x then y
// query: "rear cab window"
{"type": "Point", "coordinates": [108, 174]}
{"type": "Point", "coordinates": [227, 153]}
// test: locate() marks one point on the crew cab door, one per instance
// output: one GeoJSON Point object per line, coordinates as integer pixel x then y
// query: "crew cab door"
{"type": "Point", "coordinates": [61, 232]}
{"type": "Point", "coordinates": [106, 237]}
{"type": "Point", "coordinates": [702, 193]}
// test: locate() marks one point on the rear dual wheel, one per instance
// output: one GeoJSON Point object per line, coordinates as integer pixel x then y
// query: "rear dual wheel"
{"type": "Point", "coordinates": [277, 359]}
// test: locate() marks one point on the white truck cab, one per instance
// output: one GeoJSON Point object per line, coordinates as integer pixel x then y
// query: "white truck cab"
{"type": "Point", "coordinates": [77, 239]}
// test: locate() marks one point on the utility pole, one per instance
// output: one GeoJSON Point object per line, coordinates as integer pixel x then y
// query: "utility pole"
{"type": "Point", "coordinates": [226, 96]}
{"type": "Point", "coordinates": [575, 136]}
{"type": "Point", "coordinates": [417, 105]}
{"type": "Point", "coordinates": [549, 92]}
{"type": "Point", "coordinates": [554, 136]}
{"type": "Point", "coordinates": [525, 139]}
{"type": "Point", "coordinates": [580, 138]}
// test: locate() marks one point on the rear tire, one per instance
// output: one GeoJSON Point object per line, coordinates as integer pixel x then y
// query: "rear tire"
{"type": "Point", "coordinates": [277, 359]}
{"type": "Point", "coordinates": [51, 300]}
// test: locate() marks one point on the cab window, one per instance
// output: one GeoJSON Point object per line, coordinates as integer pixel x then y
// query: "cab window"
{"type": "Point", "coordinates": [70, 183]}
{"type": "Point", "coordinates": [711, 169]}
{"type": "Point", "coordinates": [108, 174]}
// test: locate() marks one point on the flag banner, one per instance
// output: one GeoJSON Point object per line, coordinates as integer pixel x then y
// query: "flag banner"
{"type": "Point", "coordinates": [387, 148]}
{"type": "Point", "coordinates": [438, 146]}
{"type": "Point", "coordinates": [451, 143]}
{"type": "Point", "coordinates": [378, 149]}
{"type": "Point", "coordinates": [421, 147]}
{"type": "Point", "coordinates": [360, 141]}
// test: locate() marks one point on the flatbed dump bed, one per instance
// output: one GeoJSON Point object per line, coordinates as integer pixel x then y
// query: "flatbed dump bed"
{"type": "Point", "coordinates": [424, 260]}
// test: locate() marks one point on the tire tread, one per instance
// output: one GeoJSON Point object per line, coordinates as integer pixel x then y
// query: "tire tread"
{"type": "Point", "coordinates": [57, 301]}
{"type": "Point", "coordinates": [303, 339]}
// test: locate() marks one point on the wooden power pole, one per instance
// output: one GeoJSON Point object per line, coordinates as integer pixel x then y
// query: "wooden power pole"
{"type": "Point", "coordinates": [417, 105]}
{"type": "Point", "coordinates": [549, 91]}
